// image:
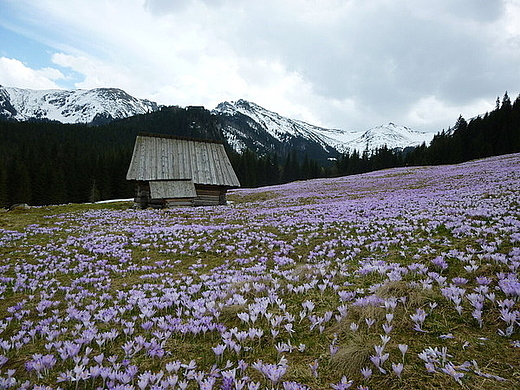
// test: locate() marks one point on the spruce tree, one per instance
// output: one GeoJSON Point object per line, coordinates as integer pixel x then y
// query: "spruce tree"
{"type": "Point", "coordinates": [4, 195]}
{"type": "Point", "coordinates": [20, 183]}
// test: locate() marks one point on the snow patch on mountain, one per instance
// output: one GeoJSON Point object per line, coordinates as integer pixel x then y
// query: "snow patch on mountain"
{"type": "Point", "coordinates": [282, 129]}
{"type": "Point", "coordinates": [389, 135]}
{"type": "Point", "coordinates": [274, 124]}
{"type": "Point", "coordinates": [71, 106]}
{"type": "Point", "coordinates": [244, 124]}
{"type": "Point", "coordinates": [277, 126]}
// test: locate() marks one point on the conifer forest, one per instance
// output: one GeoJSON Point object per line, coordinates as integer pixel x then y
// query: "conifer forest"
{"type": "Point", "coordinates": [53, 163]}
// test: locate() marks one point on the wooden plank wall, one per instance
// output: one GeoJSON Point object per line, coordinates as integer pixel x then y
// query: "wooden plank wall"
{"type": "Point", "coordinates": [160, 158]}
{"type": "Point", "coordinates": [207, 195]}
{"type": "Point", "coordinates": [172, 189]}
{"type": "Point", "coordinates": [179, 202]}
{"type": "Point", "coordinates": [210, 195]}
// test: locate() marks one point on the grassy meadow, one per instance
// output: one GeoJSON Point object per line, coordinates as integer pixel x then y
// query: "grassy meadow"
{"type": "Point", "coordinates": [398, 279]}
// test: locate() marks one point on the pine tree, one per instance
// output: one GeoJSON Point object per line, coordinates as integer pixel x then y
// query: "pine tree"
{"type": "Point", "coordinates": [20, 183]}
{"type": "Point", "coordinates": [4, 195]}
{"type": "Point", "coordinates": [504, 136]}
{"type": "Point", "coordinates": [95, 195]}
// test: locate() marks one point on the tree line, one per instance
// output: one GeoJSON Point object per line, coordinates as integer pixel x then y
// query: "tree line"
{"type": "Point", "coordinates": [52, 163]}
{"type": "Point", "coordinates": [495, 133]}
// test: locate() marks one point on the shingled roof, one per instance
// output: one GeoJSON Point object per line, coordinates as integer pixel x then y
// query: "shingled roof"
{"type": "Point", "coordinates": [158, 158]}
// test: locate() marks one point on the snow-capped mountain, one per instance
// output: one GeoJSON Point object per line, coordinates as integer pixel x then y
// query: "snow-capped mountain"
{"type": "Point", "coordinates": [389, 135]}
{"type": "Point", "coordinates": [247, 125]}
{"type": "Point", "coordinates": [70, 106]}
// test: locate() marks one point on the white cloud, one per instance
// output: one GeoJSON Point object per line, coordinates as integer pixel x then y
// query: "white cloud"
{"type": "Point", "coordinates": [96, 73]}
{"type": "Point", "coordinates": [338, 63]}
{"type": "Point", "coordinates": [430, 109]}
{"type": "Point", "coordinates": [14, 73]}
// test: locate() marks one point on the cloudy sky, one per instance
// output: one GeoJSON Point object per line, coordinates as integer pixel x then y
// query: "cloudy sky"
{"type": "Point", "coordinates": [349, 64]}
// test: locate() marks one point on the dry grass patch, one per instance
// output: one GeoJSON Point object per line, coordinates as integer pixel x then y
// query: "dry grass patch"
{"type": "Point", "coordinates": [353, 355]}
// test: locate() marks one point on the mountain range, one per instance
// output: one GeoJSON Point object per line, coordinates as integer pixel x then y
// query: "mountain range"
{"type": "Point", "coordinates": [244, 125]}
{"type": "Point", "coordinates": [247, 125]}
{"type": "Point", "coordinates": [95, 106]}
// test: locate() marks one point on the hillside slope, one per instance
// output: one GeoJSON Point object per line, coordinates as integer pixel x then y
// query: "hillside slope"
{"type": "Point", "coordinates": [248, 125]}
{"type": "Point", "coordinates": [94, 106]}
{"type": "Point", "coordinates": [404, 278]}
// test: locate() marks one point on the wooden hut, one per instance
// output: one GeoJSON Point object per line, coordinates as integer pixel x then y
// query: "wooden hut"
{"type": "Point", "coordinates": [171, 171]}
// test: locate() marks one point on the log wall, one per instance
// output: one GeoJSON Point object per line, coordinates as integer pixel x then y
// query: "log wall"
{"type": "Point", "coordinates": [207, 195]}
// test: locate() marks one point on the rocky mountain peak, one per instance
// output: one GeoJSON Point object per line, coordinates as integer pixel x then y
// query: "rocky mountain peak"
{"type": "Point", "coordinates": [70, 106]}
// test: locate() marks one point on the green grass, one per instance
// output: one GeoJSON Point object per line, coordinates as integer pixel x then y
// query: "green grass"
{"type": "Point", "coordinates": [494, 353]}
